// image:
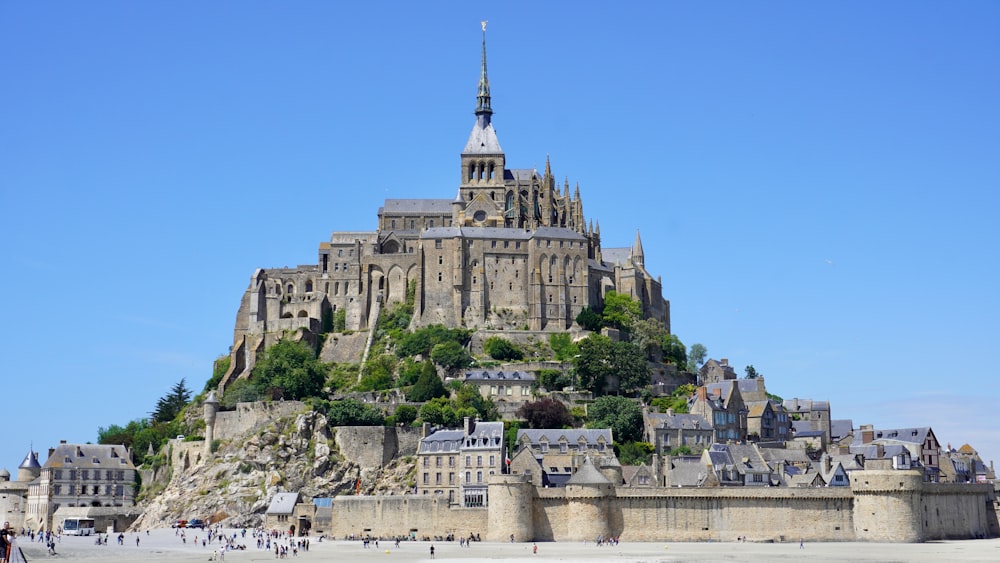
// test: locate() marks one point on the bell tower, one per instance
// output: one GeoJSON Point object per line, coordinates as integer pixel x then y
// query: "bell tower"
{"type": "Point", "coordinates": [481, 191]}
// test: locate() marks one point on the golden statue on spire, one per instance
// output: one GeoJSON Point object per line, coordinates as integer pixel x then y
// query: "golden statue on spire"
{"type": "Point", "coordinates": [484, 25]}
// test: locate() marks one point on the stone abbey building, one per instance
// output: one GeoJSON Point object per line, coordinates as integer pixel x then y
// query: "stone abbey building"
{"type": "Point", "coordinates": [512, 250]}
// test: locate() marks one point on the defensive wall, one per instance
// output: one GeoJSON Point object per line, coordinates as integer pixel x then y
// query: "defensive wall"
{"type": "Point", "coordinates": [248, 416]}
{"type": "Point", "coordinates": [375, 446]}
{"type": "Point", "coordinates": [880, 506]}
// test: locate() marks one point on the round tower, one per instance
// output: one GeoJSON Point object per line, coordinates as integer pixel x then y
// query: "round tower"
{"type": "Point", "coordinates": [30, 469]}
{"type": "Point", "coordinates": [587, 494]}
{"type": "Point", "coordinates": [211, 407]}
{"type": "Point", "coordinates": [887, 505]}
{"type": "Point", "coordinates": [511, 508]}
{"type": "Point", "coordinates": [4, 476]}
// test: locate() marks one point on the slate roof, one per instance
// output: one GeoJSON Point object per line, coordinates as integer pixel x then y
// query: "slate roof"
{"type": "Point", "coordinates": [840, 428]}
{"type": "Point", "coordinates": [588, 475]}
{"type": "Point", "coordinates": [591, 435]}
{"type": "Point", "coordinates": [89, 456]}
{"type": "Point", "coordinates": [283, 503]}
{"type": "Point", "coordinates": [482, 140]}
{"type": "Point", "coordinates": [499, 375]}
{"type": "Point", "coordinates": [30, 461]}
{"type": "Point", "coordinates": [416, 206]}
{"type": "Point", "coordinates": [523, 174]}
{"type": "Point", "coordinates": [678, 421]}
{"type": "Point", "coordinates": [687, 473]}
{"type": "Point", "coordinates": [907, 435]}
{"type": "Point", "coordinates": [617, 255]}
{"type": "Point", "coordinates": [485, 435]}
{"type": "Point", "coordinates": [443, 441]}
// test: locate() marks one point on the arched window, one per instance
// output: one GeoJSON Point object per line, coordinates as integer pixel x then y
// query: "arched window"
{"type": "Point", "coordinates": [290, 289]}
{"type": "Point", "coordinates": [309, 286]}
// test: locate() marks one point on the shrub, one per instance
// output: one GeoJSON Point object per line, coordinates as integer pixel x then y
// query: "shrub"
{"type": "Point", "coordinates": [502, 349]}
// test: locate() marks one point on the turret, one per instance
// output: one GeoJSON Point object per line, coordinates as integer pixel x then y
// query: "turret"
{"type": "Point", "coordinates": [587, 495]}
{"type": "Point", "coordinates": [30, 469]}
{"type": "Point", "coordinates": [211, 408]}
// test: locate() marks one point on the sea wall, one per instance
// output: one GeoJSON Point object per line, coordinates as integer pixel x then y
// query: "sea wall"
{"type": "Point", "coordinates": [402, 515]}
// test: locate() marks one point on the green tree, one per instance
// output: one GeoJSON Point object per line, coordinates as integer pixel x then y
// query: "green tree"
{"type": "Point", "coordinates": [634, 453]}
{"type": "Point", "coordinates": [290, 370]}
{"type": "Point", "coordinates": [648, 335]}
{"type": "Point", "coordinates": [378, 373]}
{"type": "Point", "coordinates": [600, 359]}
{"type": "Point", "coordinates": [468, 398]}
{"type": "Point", "coordinates": [621, 311]}
{"type": "Point", "coordinates": [674, 352]}
{"type": "Point", "coordinates": [545, 413]}
{"type": "Point", "coordinates": [171, 404]}
{"type": "Point", "coordinates": [352, 412]}
{"type": "Point", "coordinates": [589, 319]}
{"type": "Point", "coordinates": [592, 363]}
{"type": "Point", "coordinates": [406, 414]}
{"type": "Point", "coordinates": [554, 379]}
{"type": "Point", "coordinates": [562, 346]}
{"type": "Point", "coordinates": [696, 357]}
{"type": "Point", "coordinates": [676, 401]}
{"type": "Point", "coordinates": [623, 416]}
{"type": "Point", "coordinates": [428, 386]}
{"type": "Point", "coordinates": [628, 362]}
{"type": "Point", "coordinates": [751, 372]}
{"type": "Point", "coordinates": [340, 320]}
{"type": "Point", "coordinates": [439, 412]}
{"type": "Point", "coordinates": [451, 355]}
{"type": "Point", "coordinates": [502, 349]}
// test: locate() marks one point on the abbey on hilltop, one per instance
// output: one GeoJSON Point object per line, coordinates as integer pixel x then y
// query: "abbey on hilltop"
{"type": "Point", "coordinates": [511, 251]}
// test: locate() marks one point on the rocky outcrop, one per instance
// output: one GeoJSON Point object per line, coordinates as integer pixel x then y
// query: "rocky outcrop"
{"type": "Point", "coordinates": [235, 484]}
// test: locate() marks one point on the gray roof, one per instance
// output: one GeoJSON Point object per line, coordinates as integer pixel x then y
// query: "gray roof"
{"type": "Point", "coordinates": [805, 405]}
{"type": "Point", "coordinates": [679, 421]}
{"type": "Point", "coordinates": [283, 503]}
{"type": "Point", "coordinates": [687, 473]}
{"type": "Point", "coordinates": [808, 433]}
{"type": "Point", "coordinates": [486, 435]}
{"type": "Point", "coordinates": [558, 233]}
{"type": "Point", "coordinates": [482, 140]}
{"type": "Point", "coordinates": [89, 456]}
{"type": "Point", "coordinates": [588, 475]}
{"type": "Point", "coordinates": [591, 435]}
{"type": "Point", "coordinates": [416, 206]}
{"type": "Point", "coordinates": [523, 174]}
{"type": "Point", "coordinates": [499, 375]}
{"type": "Point", "coordinates": [870, 451]}
{"type": "Point", "coordinates": [794, 455]}
{"type": "Point", "coordinates": [617, 255]}
{"type": "Point", "coordinates": [840, 428]}
{"type": "Point", "coordinates": [443, 441]}
{"type": "Point", "coordinates": [30, 461]}
{"type": "Point", "coordinates": [906, 435]}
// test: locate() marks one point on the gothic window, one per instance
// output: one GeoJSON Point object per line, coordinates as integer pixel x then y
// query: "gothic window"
{"type": "Point", "coordinates": [393, 223]}
{"type": "Point", "coordinates": [492, 173]}
{"type": "Point", "coordinates": [472, 175]}
{"type": "Point", "coordinates": [291, 289]}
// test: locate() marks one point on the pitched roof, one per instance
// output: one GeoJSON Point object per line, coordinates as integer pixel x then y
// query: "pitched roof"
{"type": "Point", "coordinates": [482, 140]}
{"type": "Point", "coordinates": [593, 436]}
{"type": "Point", "coordinates": [499, 375]}
{"type": "Point", "coordinates": [678, 421]}
{"type": "Point", "coordinates": [588, 475]}
{"type": "Point", "coordinates": [89, 456]}
{"type": "Point", "coordinates": [283, 503]}
{"type": "Point", "coordinates": [416, 206]}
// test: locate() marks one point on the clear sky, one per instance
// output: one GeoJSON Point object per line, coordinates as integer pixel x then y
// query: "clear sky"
{"type": "Point", "coordinates": [815, 183]}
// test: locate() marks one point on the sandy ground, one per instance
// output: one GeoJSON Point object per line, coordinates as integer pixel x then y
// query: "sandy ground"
{"type": "Point", "coordinates": [164, 545]}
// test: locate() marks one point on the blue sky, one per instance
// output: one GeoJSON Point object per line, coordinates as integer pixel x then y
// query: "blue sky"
{"type": "Point", "coordinates": [815, 183]}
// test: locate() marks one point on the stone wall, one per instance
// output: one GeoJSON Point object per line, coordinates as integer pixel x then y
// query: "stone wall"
{"type": "Point", "coordinates": [875, 508]}
{"type": "Point", "coordinates": [248, 416]}
{"type": "Point", "coordinates": [344, 348]}
{"type": "Point", "coordinates": [390, 516]}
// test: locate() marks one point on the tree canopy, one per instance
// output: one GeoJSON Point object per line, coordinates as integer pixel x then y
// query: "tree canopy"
{"type": "Point", "coordinates": [620, 311]}
{"type": "Point", "coordinates": [545, 413]}
{"type": "Point", "coordinates": [352, 412]}
{"type": "Point", "coordinates": [428, 385]}
{"type": "Point", "coordinates": [601, 359]}
{"type": "Point", "coordinates": [696, 356]}
{"type": "Point", "coordinates": [289, 370]}
{"type": "Point", "coordinates": [171, 404]}
{"type": "Point", "coordinates": [502, 349]}
{"type": "Point", "coordinates": [623, 416]}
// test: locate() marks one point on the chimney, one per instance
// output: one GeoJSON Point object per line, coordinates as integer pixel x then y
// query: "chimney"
{"type": "Point", "coordinates": [880, 451]}
{"type": "Point", "coordinates": [827, 463]}
{"type": "Point", "coordinates": [468, 425]}
{"type": "Point", "coordinates": [51, 451]}
{"type": "Point", "coordinates": [425, 429]}
{"type": "Point", "coordinates": [867, 433]}
{"type": "Point", "coordinates": [724, 362]}
{"type": "Point", "coordinates": [702, 393]}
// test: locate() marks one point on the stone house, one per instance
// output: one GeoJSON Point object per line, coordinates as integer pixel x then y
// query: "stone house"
{"type": "Point", "coordinates": [503, 386]}
{"type": "Point", "coordinates": [921, 443]}
{"type": "Point", "coordinates": [722, 405]}
{"type": "Point", "coordinates": [739, 465]}
{"type": "Point", "coordinates": [669, 431]}
{"type": "Point", "coordinates": [287, 512]}
{"type": "Point", "coordinates": [81, 475]}
{"type": "Point", "coordinates": [561, 452]}
{"type": "Point", "coordinates": [714, 371]}
{"type": "Point", "coordinates": [810, 415]}
{"type": "Point", "coordinates": [458, 463]}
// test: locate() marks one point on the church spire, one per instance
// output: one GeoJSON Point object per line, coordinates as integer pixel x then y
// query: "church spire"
{"type": "Point", "coordinates": [483, 109]}
{"type": "Point", "coordinates": [638, 256]}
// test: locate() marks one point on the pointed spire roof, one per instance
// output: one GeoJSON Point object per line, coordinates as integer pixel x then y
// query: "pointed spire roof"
{"type": "Point", "coordinates": [638, 257]}
{"type": "Point", "coordinates": [483, 139]}
{"type": "Point", "coordinates": [588, 475]}
{"type": "Point", "coordinates": [483, 109]}
{"type": "Point", "coordinates": [30, 461]}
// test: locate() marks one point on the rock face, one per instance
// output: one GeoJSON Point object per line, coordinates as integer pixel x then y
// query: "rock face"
{"type": "Point", "coordinates": [235, 484]}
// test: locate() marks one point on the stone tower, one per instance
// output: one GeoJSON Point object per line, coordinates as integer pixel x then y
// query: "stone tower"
{"type": "Point", "coordinates": [880, 493]}
{"type": "Point", "coordinates": [587, 494]}
{"type": "Point", "coordinates": [211, 408]}
{"type": "Point", "coordinates": [510, 509]}
{"type": "Point", "coordinates": [30, 469]}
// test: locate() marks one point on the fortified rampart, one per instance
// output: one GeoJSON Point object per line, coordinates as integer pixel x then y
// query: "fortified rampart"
{"type": "Point", "coordinates": [875, 508]}
{"type": "Point", "coordinates": [248, 416]}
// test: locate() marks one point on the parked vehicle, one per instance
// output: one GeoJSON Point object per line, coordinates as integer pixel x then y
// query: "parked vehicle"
{"type": "Point", "coordinates": [196, 523]}
{"type": "Point", "coordinates": [179, 524]}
